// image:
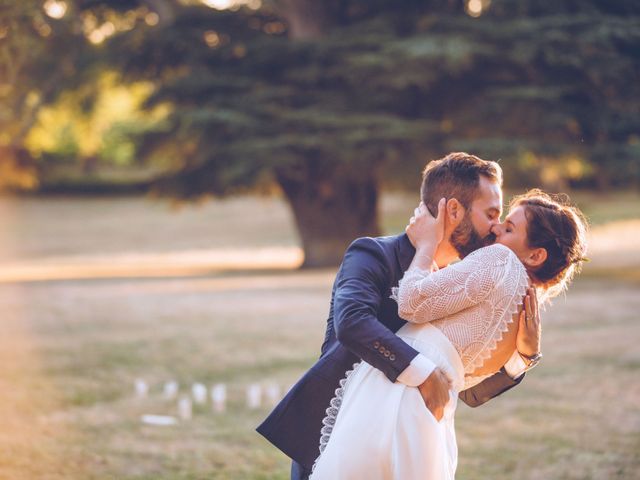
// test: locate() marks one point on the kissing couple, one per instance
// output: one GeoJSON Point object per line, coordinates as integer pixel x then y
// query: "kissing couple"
{"type": "Point", "coordinates": [410, 331]}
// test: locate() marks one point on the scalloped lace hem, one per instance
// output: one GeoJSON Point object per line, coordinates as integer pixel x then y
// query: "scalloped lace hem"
{"type": "Point", "coordinates": [501, 329]}
{"type": "Point", "coordinates": [329, 420]}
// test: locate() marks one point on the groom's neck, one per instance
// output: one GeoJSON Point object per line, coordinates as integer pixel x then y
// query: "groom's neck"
{"type": "Point", "coordinates": [445, 254]}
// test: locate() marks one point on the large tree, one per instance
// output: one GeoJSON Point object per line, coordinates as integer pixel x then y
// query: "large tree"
{"type": "Point", "coordinates": [327, 99]}
{"type": "Point", "coordinates": [286, 93]}
{"type": "Point", "coordinates": [321, 96]}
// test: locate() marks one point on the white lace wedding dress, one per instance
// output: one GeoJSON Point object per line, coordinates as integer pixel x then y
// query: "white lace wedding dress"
{"type": "Point", "coordinates": [379, 430]}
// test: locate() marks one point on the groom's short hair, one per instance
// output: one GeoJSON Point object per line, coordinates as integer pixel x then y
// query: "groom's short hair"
{"type": "Point", "coordinates": [456, 176]}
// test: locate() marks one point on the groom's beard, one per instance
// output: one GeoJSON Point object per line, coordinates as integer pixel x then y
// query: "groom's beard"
{"type": "Point", "coordinates": [466, 239]}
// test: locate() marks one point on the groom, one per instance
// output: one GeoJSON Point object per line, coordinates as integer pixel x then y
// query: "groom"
{"type": "Point", "coordinates": [363, 318]}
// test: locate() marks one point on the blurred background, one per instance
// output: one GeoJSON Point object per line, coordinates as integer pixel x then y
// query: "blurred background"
{"type": "Point", "coordinates": [180, 179]}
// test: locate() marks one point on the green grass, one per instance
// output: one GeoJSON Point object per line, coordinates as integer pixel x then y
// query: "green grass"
{"type": "Point", "coordinates": [70, 352]}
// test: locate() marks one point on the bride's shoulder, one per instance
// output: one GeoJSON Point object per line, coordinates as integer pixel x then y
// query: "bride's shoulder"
{"type": "Point", "coordinates": [496, 253]}
{"type": "Point", "coordinates": [500, 260]}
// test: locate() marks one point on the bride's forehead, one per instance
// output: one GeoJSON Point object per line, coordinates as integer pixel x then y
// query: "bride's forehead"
{"type": "Point", "coordinates": [516, 215]}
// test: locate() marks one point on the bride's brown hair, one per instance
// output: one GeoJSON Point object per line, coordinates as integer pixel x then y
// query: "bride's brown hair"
{"type": "Point", "coordinates": [561, 229]}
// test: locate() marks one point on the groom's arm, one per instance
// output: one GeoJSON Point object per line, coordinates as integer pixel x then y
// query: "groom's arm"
{"type": "Point", "coordinates": [362, 282]}
{"type": "Point", "coordinates": [508, 377]}
{"type": "Point", "coordinates": [489, 388]}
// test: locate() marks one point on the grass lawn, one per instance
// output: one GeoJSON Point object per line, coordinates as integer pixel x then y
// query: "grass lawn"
{"type": "Point", "coordinates": [71, 350]}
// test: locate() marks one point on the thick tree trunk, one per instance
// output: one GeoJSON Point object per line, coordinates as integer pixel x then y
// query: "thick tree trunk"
{"type": "Point", "coordinates": [331, 209]}
{"type": "Point", "coordinates": [331, 205]}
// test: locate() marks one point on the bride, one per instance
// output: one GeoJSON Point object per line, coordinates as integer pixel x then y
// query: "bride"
{"type": "Point", "coordinates": [465, 319]}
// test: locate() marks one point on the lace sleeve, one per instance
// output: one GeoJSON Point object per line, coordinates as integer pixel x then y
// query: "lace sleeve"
{"type": "Point", "coordinates": [424, 296]}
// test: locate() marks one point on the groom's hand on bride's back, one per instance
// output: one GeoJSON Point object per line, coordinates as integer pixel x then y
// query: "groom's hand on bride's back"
{"type": "Point", "coordinates": [435, 392]}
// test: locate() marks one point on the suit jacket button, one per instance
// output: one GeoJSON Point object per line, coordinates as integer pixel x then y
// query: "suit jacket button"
{"type": "Point", "coordinates": [376, 345]}
{"type": "Point", "coordinates": [387, 353]}
{"type": "Point", "coordinates": [392, 357]}
{"type": "Point", "coordinates": [381, 349]}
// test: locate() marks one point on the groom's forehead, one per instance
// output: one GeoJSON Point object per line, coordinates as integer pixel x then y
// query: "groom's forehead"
{"type": "Point", "coordinates": [489, 196]}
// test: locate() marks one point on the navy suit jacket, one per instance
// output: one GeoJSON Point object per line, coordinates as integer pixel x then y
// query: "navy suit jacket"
{"type": "Point", "coordinates": [362, 323]}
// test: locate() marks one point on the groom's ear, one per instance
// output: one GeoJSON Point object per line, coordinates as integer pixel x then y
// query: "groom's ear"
{"type": "Point", "coordinates": [455, 211]}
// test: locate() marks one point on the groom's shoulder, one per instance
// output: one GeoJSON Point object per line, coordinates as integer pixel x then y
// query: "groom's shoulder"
{"type": "Point", "coordinates": [378, 245]}
{"type": "Point", "coordinates": [376, 253]}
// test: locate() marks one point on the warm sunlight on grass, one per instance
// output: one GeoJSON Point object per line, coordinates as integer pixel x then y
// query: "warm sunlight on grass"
{"type": "Point", "coordinates": [129, 289]}
{"type": "Point", "coordinates": [33, 444]}
{"type": "Point", "coordinates": [140, 265]}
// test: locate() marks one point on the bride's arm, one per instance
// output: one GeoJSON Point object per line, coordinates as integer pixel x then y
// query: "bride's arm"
{"type": "Point", "coordinates": [425, 295]}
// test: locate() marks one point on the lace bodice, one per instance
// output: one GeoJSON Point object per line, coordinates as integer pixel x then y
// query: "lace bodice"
{"type": "Point", "coordinates": [471, 302]}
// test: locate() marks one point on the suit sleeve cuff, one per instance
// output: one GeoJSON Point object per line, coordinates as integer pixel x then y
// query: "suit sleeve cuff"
{"type": "Point", "coordinates": [515, 366]}
{"type": "Point", "coordinates": [417, 372]}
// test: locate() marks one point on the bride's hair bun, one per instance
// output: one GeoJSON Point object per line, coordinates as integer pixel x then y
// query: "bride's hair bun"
{"type": "Point", "coordinates": [561, 229]}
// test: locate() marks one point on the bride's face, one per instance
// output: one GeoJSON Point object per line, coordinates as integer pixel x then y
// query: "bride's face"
{"type": "Point", "coordinates": [512, 233]}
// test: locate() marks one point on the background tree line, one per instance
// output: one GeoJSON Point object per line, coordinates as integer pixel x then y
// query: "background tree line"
{"type": "Point", "coordinates": [327, 100]}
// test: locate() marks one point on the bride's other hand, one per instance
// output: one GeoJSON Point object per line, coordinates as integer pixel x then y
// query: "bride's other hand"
{"type": "Point", "coordinates": [424, 230]}
{"type": "Point", "coordinates": [530, 328]}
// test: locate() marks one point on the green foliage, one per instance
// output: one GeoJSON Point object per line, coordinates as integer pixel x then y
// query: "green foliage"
{"type": "Point", "coordinates": [99, 122]}
{"type": "Point", "coordinates": [40, 57]}
{"type": "Point", "coordinates": [380, 89]}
